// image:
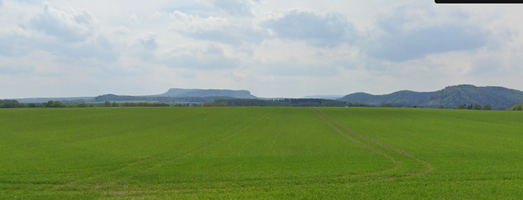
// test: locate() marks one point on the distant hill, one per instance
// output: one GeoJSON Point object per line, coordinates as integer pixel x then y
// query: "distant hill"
{"type": "Point", "coordinates": [164, 99]}
{"type": "Point", "coordinates": [400, 98]}
{"type": "Point", "coordinates": [172, 95]}
{"type": "Point", "coordinates": [499, 98]}
{"type": "Point", "coordinates": [177, 92]}
{"type": "Point", "coordinates": [332, 97]}
{"type": "Point", "coordinates": [62, 99]}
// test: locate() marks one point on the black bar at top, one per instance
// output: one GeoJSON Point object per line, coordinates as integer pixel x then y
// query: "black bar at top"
{"type": "Point", "coordinates": [479, 1]}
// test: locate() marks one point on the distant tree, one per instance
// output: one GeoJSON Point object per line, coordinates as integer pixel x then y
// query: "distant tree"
{"type": "Point", "coordinates": [47, 104]}
{"type": "Point", "coordinates": [218, 104]}
{"type": "Point", "coordinates": [107, 104]}
{"type": "Point", "coordinates": [440, 106]}
{"type": "Point", "coordinates": [469, 107]}
{"type": "Point", "coordinates": [476, 106]}
{"type": "Point", "coordinates": [114, 104]}
{"type": "Point", "coordinates": [58, 104]}
{"type": "Point", "coordinates": [487, 107]}
{"type": "Point", "coordinates": [461, 106]}
{"type": "Point", "coordinates": [387, 105]}
{"type": "Point", "coordinates": [7, 103]}
{"type": "Point", "coordinates": [82, 105]}
{"type": "Point", "coordinates": [517, 107]}
{"type": "Point", "coordinates": [54, 104]}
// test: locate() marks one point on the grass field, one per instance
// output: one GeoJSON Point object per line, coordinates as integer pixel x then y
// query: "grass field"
{"type": "Point", "coordinates": [261, 153]}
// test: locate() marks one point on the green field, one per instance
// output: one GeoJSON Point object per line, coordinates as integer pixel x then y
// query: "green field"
{"type": "Point", "coordinates": [260, 153]}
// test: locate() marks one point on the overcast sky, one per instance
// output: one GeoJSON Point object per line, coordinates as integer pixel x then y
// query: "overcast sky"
{"type": "Point", "coordinates": [293, 48]}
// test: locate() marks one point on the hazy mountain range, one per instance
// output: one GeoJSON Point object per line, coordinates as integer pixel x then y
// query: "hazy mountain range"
{"type": "Point", "coordinates": [450, 97]}
{"type": "Point", "coordinates": [333, 97]}
{"type": "Point", "coordinates": [499, 98]}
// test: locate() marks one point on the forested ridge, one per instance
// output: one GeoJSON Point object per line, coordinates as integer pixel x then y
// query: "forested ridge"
{"type": "Point", "coordinates": [499, 98]}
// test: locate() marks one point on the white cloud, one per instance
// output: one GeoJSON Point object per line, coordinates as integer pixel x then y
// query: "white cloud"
{"type": "Point", "coordinates": [407, 35]}
{"type": "Point", "coordinates": [148, 40]}
{"type": "Point", "coordinates": [133, 18]}
{"type": "Point", "coordinates": [317, 30]}
{"type": "Point", "coordinates": [235, 7]}
{"type": "Point", "coordinates": [216, 29]}
{"type": "Point", "coordinates": [73, 25]}
{"type": "Point", "coordinates": [121, 30]}
{"type": "Point", "coordinates": [273, 48]}
{"type": "Point", "coordinates": [210, 57]}
{"type": "Point", "coordinates": [193, 24]}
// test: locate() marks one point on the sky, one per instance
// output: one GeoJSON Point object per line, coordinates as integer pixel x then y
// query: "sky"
{"type": "Point", "coordinates": [293, 48]}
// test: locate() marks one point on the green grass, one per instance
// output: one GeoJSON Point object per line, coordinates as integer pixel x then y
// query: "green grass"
{"type": "Point", "coordinates": [260, 152]}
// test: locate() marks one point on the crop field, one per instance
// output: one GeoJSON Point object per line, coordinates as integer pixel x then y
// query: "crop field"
{"type": "Point", "coordinates": [260, 153]}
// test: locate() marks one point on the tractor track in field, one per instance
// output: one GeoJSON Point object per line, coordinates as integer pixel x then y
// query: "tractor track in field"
{"type": "Point", "coordinates": [137, 161]}
{"type": "Point", "coordinates": [357, 141]}
{"type": "Point", "coordinates": [205, 146]}
{"type": "Point", "coordinates": [424, 162]}
{"type": "Point", "coordinates": [325, 118]}
{"type": "Point", "coordinates": [284, 179]}
{"type": "Point", "coordinates": [57, 187]}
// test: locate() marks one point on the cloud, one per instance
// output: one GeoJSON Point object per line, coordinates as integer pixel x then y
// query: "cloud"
{"type": "Point", "coordinates": [121, 30]}
{"type": "Point", "coordinates": [407, 38]}
{"type": "Point", "coordinates": [99, 48]}
{"type": "Point", "coordinates": [211, 58]}
{"type": "Point", "coordinates": [1, 3]}
{"type": "Point", "coordinates": [215, 29]}
{"type": "Point", "coordinates": [234, 7]}
{"type": "Point", "coordinates": [14, 68]}
{"type": "Point", "coordinates": [35, 63]}
{"type": "Point", "coordinates": [329, 30]}
{"type": "Point", "coordinates": [233, 35]}
{"type": "Point", "coordinates": [293, 67]}
{"type": "Point", "coordinates": [74, 25]}
{"type": "Point", "coordinates": [294, 47]}
{"type": "Point", "coordinates": [148, 40]}
{"type": "Point", "coordinates": [195, 23]}
{"type": "Point", "coordinates": [14, 45]}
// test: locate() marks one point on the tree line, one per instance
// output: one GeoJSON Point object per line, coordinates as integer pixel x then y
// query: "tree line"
{"type": "Point", "coordinates": [58, 104]}
{"type": "Point", "coordinates": [474, 106]}
{"type": "Point", "coordinates": [9, 103]}
{"type": "Point", "coordinates": [142, 104]}
{"type": "Point", "coordinates": [287, 103]}
{"type": "Point", "coordinates": [49, 104]}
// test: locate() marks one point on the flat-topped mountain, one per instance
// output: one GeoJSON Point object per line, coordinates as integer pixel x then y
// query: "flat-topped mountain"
{"type": "Point", "coordinates": [499, 98]}
{"type": "Point", "coordinates": [177, 92]}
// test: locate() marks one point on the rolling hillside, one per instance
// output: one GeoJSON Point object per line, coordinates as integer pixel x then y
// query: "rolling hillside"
{"type": "Point", "coordinates": [499, 98]}
{"type": "Point", "coordinates": [400, 98]}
